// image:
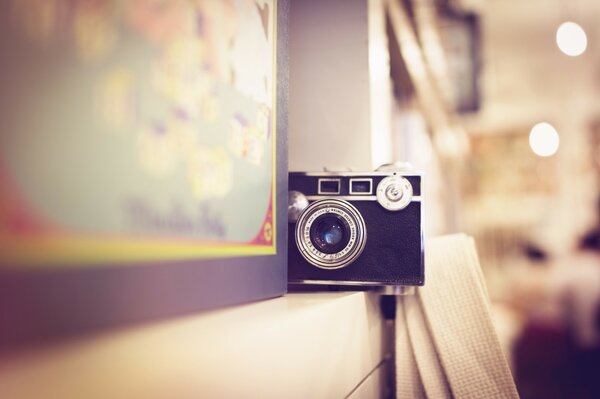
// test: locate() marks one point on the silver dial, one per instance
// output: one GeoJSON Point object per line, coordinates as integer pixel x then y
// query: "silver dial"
{"type": "Point", "coordinates": [394, 193]}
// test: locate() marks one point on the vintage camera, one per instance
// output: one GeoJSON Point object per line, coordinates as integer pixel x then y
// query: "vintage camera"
{"type": "Point", "coordinates": [352, 228]}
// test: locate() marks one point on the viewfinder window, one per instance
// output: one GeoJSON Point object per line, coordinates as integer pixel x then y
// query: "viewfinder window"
{"type": "Point", "coordinates": [361, 186]}
{"type": "Point", "coordinates": [329, 186]}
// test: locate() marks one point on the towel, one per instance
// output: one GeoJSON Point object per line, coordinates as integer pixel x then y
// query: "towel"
{"type": "Point", "coordinates": [446, 344]}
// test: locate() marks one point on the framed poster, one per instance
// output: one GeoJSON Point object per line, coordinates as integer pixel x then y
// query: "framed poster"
{"type": "Point", "coordinates": [460, 36]}
{"type": "Point", "coordinates": [143, 167]}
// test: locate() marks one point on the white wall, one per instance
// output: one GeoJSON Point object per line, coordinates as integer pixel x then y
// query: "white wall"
{"type": "Point", "coordinates": [331, 86]}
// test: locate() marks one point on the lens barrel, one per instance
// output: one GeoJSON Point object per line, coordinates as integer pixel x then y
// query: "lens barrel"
{"type": "Point", "coordinates": [330, 234]}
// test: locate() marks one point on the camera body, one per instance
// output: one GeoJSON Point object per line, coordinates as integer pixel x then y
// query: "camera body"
{"type": "Point", "coordinates": [354, 228]}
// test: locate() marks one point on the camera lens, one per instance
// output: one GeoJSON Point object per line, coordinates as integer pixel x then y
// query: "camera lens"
{"type": "Point", "coordinates": [329, 234]}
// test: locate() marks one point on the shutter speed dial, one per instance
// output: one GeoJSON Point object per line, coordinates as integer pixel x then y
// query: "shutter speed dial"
{"type": "Point", "coordinates": [394, 193]}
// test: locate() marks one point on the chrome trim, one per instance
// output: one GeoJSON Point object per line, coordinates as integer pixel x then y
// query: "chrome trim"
{"type": "Point", "coordinates": [364, 179]}
{"type": "Point", "coordinates": [422, 221]}
{"type": "Point", "coordinates": [342, 197]}
{"type": "Point", "coordinates": [365, 174]}
{"type": "Point", "coordinates": [416, 198]}
{"type": "Point", "coordinates": [339, 186]}
{"type": "Point", "coordinates": [352, 283]}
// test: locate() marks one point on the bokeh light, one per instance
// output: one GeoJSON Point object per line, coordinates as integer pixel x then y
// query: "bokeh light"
{"type": "Point", "coordinates": [544, 140]}
{"type": "Point", "coordinates": [571, 39]}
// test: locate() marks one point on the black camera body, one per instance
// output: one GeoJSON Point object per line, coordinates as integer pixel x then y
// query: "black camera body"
{"type": "Point", "coordinates": [353, 228]}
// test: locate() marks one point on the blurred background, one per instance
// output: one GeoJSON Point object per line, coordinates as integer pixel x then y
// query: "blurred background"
{"type": "Point", "coordinates": [496, 101]}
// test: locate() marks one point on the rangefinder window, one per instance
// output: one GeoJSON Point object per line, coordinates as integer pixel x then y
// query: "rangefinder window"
{"type": "Point", "coordinates": [329, 186]}
{"type": "Point", "coordinates": [361, 186]}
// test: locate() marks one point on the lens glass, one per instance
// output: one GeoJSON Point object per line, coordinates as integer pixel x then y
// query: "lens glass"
{"type": "Point", "coordinates": [330, 234]}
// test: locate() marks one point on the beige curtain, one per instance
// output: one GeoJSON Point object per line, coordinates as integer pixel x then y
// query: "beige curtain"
{"type": "Point", "coordinates": [446, 345]}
